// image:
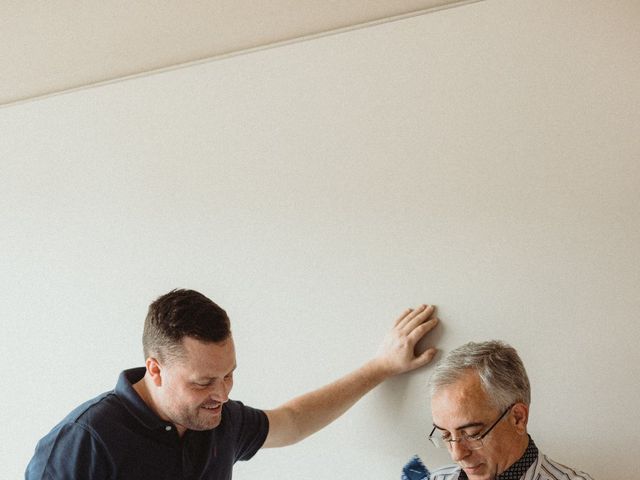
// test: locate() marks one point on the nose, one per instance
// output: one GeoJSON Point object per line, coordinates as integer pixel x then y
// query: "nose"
{"type": "Point", "coordinates": [220, 391]}
{"type": "Point", "coordinates": [458, 451]}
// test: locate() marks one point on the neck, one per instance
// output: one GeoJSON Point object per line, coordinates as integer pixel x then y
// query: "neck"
{"type": "Point", "coordinates": [523, 444]}
{"type": "Point", "coordinates": [519, 447]}
{"type": "Point", "coordinates": [144, 392]}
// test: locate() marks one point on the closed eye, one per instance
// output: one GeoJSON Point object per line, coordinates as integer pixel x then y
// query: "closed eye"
{"type": "Point", "coordinates": [447, 436]}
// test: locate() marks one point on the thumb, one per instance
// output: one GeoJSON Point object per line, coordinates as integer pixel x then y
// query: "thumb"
{"type": "Point", "coordinates": [425, 357]}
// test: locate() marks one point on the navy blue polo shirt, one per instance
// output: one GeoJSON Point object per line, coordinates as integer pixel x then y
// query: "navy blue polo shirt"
{"type": "Point", "coordinates": [116, 436]}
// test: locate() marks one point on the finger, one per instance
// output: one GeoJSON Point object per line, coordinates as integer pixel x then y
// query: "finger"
{"type": "Point", "coordinates": [424, 358]}
{"type": "Point", "coordinates": [403, 316]}
{"type": "Point", "coordinates": [420, 316]}
{"type": "Point", "coordinates": [409, 315]}
{"type": "Point", "coordinates": [421, 330]}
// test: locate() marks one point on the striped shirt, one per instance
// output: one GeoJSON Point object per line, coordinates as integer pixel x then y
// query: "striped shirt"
{"type": "Point", "coordinates": [543, 468]}
{"type": "Point", "coordinates": [533, 465]}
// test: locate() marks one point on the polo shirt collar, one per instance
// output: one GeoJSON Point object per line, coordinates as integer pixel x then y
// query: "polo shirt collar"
{"type": "Point", "coordinates": [132, 401]}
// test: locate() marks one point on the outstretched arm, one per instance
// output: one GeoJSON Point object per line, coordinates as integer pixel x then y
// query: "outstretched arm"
{"type": "Point", "coordinates": [308, 413]}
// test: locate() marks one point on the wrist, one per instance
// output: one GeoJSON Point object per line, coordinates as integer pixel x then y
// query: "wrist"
{"type": "Point", "coordinates": [379, 369]}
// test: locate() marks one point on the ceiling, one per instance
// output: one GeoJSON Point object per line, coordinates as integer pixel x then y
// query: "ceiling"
{"type": "Point", "coordinates": [52, 47]}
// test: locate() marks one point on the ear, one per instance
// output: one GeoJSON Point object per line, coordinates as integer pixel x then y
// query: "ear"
{"type": "Point", "coordinates": [520, 417]}
{"type": "Point", "coordinates": [154, 370]}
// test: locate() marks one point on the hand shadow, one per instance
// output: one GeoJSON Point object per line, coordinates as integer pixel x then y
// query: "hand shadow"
{"type": "Point", "coordinates": [394, 392]}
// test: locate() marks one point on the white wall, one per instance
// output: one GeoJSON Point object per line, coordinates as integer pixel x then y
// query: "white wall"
{"type": "Point", "coordinates": [483, 158]}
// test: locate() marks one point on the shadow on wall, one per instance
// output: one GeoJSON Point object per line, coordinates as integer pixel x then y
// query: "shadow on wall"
{"type": "Point", "coordinates": [398, 395]}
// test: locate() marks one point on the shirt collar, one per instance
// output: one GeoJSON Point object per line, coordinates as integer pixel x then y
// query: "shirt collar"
{"type": "Point", "coordinates": [519, 468]}
{"type": "Point", "coordinates": [132, 401]}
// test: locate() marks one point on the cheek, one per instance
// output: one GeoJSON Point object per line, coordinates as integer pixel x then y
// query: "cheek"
{"type": "Point", "coordinates": [493, 455]}
{"type": "Point", "coordinates": [196, 397]}
{"type": "Point", "coordinates": [186, 397]}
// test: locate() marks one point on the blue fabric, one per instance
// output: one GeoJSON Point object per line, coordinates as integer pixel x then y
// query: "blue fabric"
{"type": "Point", "coordinates": [116, 435]}
{"type": "Point", "coordinates": [415, 470]}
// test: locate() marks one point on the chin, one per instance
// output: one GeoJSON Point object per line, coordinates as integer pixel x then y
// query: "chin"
{"type": "Point", "coordinates": [208, 425]}
{"type": "Point", "coordinates": [479, 476]}
{"type": "Point", "coordinates": [479, 473]}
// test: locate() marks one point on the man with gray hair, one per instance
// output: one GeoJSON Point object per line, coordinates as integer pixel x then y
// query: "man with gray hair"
{"type": "Point", "coordinates": [480, 396]}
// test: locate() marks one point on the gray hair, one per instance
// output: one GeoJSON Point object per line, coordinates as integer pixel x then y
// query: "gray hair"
{"type": "Point", "coordinates": [501, 371]}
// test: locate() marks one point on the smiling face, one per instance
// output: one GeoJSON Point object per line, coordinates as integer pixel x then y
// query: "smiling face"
{"type": "Point", "coordinates": [463, 408]}
{"type": "Point", "coordinates": [190, 391]}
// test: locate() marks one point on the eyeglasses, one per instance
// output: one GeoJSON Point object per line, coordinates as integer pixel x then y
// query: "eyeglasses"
{"type": "Point", "coordinates": [472, 442]}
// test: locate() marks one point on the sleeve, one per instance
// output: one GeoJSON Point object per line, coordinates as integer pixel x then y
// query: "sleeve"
{"type": "Point", "coordinates": [253, 427]}
{"type": "Point", "coordinates": [70, 452]}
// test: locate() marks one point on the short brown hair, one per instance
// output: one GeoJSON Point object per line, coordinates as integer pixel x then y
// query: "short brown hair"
{"type": "Point", "coordinates": [178, 314]}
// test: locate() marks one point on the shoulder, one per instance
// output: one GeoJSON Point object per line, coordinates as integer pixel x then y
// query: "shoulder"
{"type": "Point", "coordinates": [86, 413]}
{"type": "Point", "coordinates": [70, 450]}
{"type": "Point", "coordinates": [238, 417]}
{"type": "Point", "coordinates": [551, 470]}
{"type": "Point", "coordinates": [99, 415]}
{"type": "Point", "coordinates": [237, 409]}
{"type": "Point", "coordinates": [244, 427]}
{"type": "Point", "coordinates": [83, 423]}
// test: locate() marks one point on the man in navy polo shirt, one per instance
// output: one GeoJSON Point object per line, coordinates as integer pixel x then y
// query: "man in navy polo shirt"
{"type": "Point", "coordinates": [173, 418]}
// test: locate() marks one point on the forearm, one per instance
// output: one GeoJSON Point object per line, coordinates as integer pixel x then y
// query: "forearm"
{"type": "Point", "coordinates": [308, 413]}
